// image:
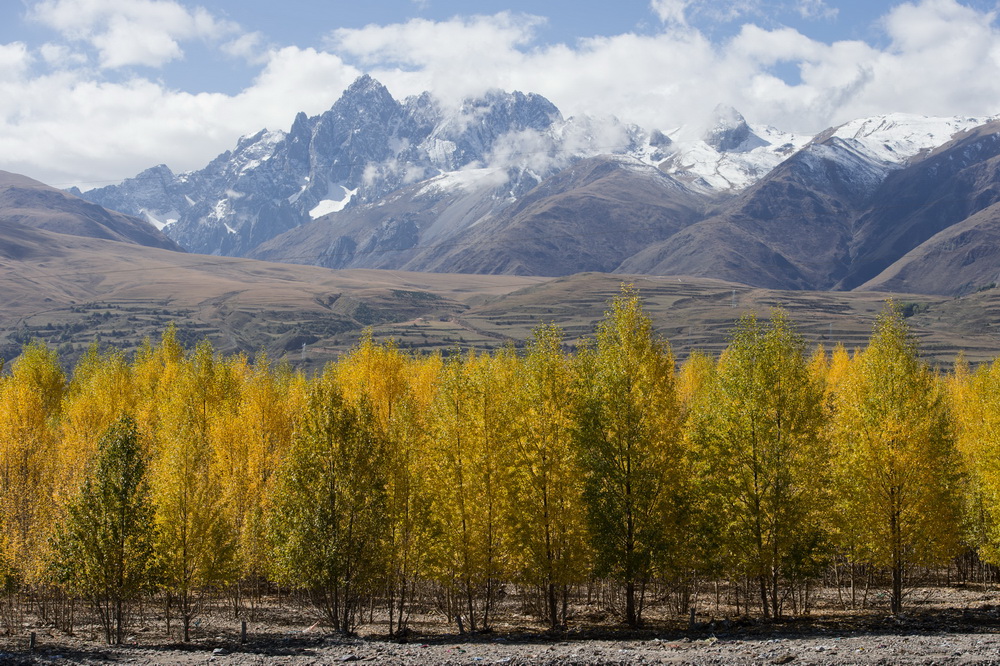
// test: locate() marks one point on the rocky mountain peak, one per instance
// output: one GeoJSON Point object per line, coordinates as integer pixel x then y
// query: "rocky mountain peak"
{"type": "Point", "coordinates": [730, 132]}
{"type": "Point", "coordinates": [390, 184]}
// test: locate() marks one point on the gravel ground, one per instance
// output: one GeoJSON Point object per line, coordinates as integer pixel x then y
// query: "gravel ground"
{"type": "Point", "coordinates": [946, 627]}
{"type": "Point", "coordinates": [942, 648]}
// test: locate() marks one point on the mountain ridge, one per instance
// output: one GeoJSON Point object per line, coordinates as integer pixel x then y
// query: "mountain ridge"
{"type": "Point", "coordinates": [30, 203]}
{"type": "Point", "coordinates": [493, 186]}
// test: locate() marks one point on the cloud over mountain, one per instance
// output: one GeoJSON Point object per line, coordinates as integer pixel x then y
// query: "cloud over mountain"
{"type": "Point", "coordinates": [93, 102]}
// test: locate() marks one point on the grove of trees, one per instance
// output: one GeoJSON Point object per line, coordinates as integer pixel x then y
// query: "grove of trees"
{"type": "Point", "coordinates": [393, 483]}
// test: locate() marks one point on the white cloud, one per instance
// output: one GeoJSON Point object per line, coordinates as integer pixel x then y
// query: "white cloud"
{"type": "Point", "coordinates": [131, 32]}
{"type": "Point", "coordinates": [67, 129]}
{"type": "Point", "coordinates": [678, 75]}
{"type": "Point", "coordinates": [67, 123]}
{"type": "Point", "coordinates": [60, 56]}
{"type": "Point", "coordinates": [249, 47]}
{"type": "Point", "coordinates": [817, 9]}
{"type": "Point", "coordinates": [671, 11]}
{"type": "Point", "coordinates": [423, 43]}
{"type": "Point", "coordinates": [14, 61]}
{"type": "Point", "coordinates": [126, 42]}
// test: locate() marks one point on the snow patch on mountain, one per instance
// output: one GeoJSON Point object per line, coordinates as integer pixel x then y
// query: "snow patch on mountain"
{"type": "Point", "coordinates": [253, 150]}
{"type": "Point", "coordinates": [705, 168]}
{"type": "Point", "coordinates": [466, 180]}
{"type": "Point", "coordinates": [857, 168]}
{"type": "Point", "coordinates": [220, 210]}
{"type": "Point", "coordinates": [333, 205]}
{"type": "Point", "coordinates": [898, 137]}
{"type": "Point", "coordinates": [160, 220]}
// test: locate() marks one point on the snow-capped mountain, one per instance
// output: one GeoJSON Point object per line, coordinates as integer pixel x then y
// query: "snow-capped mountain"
{"type": "Point", "coordinates": [368, 145]}
{"type": "Point", "coordinates": [899, 137]}
{"type": "Point", "coordinates": [505, 183]}
{"type": "Point", "coordinates": [840, 210]}
{"type": "Point", "coordinates": [730, 156]}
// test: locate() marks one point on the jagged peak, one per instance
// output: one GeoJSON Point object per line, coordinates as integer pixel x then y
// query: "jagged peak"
{"type": "Point", "coordinates": [159, 170]}
{"type": "Point", "coordinates": [730, 132]}
{"type": "Point", "coordinates": [300, 124]}
{"type": "Point", "coordinates": [250, 139]}
{"type": "Point", "coordinates": [495, 96]}
{"type": "Point", "coordinates": [725, 116]}
{"type": "Point", "coordinates": [365, 87]}
{"type": "Point", "coordinates": [422, 100]}
{"type": "Point", "coordinates": [366, 97]}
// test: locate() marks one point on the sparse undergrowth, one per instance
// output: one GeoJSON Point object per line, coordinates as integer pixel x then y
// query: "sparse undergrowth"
{"type": "Point", "coordinates": [942, 625]}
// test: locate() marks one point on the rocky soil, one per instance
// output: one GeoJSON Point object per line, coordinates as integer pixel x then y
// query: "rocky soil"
{"type": "Point", "coordinates": [954, 628]}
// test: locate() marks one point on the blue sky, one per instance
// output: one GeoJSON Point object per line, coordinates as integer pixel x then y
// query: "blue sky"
{"type": "Point", "coordinates": [92, 91]}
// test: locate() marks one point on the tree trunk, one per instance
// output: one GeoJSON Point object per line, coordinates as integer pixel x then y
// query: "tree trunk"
{"type": "Point", "coordinates": [631, 618]}
{"type": "Point", "coordinates": [764, 602]}
{"type": "Point", "coordinates": [897, 563]}
{"type": "Point", "coordinates": [553, 606]}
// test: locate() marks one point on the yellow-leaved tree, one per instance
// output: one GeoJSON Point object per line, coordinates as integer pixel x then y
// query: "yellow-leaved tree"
{"type": "Point", "coordinates": [382, 379]}
{"type": "Point", "coordinates": [897, 467]}
{"type": "Point", "coordinates": [549, 537]}
{"type": "Point", "coordinates": [975, 402]}
{"type": "Point", "coordinates": [758, 435]}
{"type": "Point", "coordinates": [195, 541]}
{"type": "Point", "coordinates": [30, 400]}
{"type": "Point", "coordinates": [251, 440]}
{"type": "Point", "coordinates": [468, 466]}
{"type": "Point", "coordinates": [628, 444]}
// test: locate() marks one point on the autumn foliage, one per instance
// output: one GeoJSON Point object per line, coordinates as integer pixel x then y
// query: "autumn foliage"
{"type": "Point", "coordinates": [393, 481]}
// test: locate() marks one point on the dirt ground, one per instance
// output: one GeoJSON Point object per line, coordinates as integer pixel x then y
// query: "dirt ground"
{"type": "Point", "coordinates": [942, 627]}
